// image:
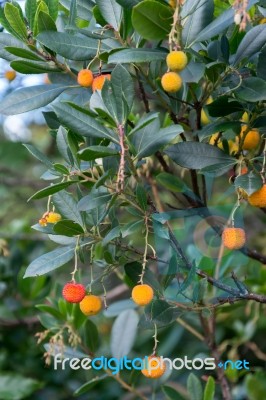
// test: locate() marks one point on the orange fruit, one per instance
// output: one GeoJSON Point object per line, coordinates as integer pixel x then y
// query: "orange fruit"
{"type": "Point", "coordinates": [176, 60]}
{"type": "Point", "coordinates": [258, 198]}
{"type": "Point", "coordinates": [98, 82]}
{"type": "Point", "coordinates": [233, 238]}
{"type": "Point", "coordinates": [252, 139]}
{"type": "Point", "coordinates": [155, 367]}
{"type": "Point", "coordinates": [90, 305]}
{"type": "Point", "coordinates": [85, 78]}
{"type": "Point", "coordinates": [142, 294]}
{"type": "Point", "coordinates": [171, 82]}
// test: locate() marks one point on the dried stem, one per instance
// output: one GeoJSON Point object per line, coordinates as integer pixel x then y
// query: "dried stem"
{"type": "Point", "coordinates": [120, 184]}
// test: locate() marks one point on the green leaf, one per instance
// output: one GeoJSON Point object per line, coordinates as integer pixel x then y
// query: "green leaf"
{"type": "Point", "coordinates": [171, 182]}
{"type": "Point", "coordinates": [89, 385]}
{"type": "Point", "coordinates": [42, 6]}
{"type": "Point", "coordinates": [50, 310]}
{"type": "Point", "coordinates": [91, 336]}
{"type": "Point", "coordinates": [252, 43]}
{"type": "Point", "coordinates": [39, 155]}
{"type": "Point", "coordinates": [63, 145]}
{"type": "Point", "coordinates": [73, 14]}
{"type": "Point", "coordinates": [84, 8]}
{"type": "Point", "coordinates": [69, 46]}
{"type": "Point", "coordinates": [30, 10]}
{"type": "Point", "coordinates": [222, 106]}
{"type": "Point", "coordinates": [261, 71]}
{"type": "Point", "coordinates": [53, 6]}
{"type": "Point", "coordinates": [45, 22]}
{"type": "Point", "coordinates": [128, 3]}
{"type": "Point", "coordinates": [128, 56]}
{"type": "Point", "coordinates": [30, 98]}
{"type": "Point", "coordinates": [141, 196]}
{"type": "Point", "coordinates": [171, 393]}
{"type": "Point", "coordinates": [123, 89]}
{"type": "Point", "coordinates": [111, 12]}
{"type": "Point", "coordinates": [7, 40]}
{"type": "Point", "coordinates": [23, 53]}
{"type": "Point", "coordinates": [193, 72]}
{"type": "Point", "coordinates": [81, 123]}
{"type": "Point", "coordinates": [97, 198]}
{"type": "Point", "coordinates": [50, 261]}
{"type": "Point", "coordinates": [50, 190]}
{"type": "Point", "coordinates": [199, 14]}
{"type": "Point", "coordinates": [252, 89]}
{"type": "Point", "coordinates": [93, 152]}
{"type": "Point", "coordinates": [188, 280]}
{"type": "Point", "coordinates": [151, 138]}
{"type": "Point", "coordinates": [34, 67]}
{"type": "Point", "coordinates": [16, 387]}
{"type": "Point", "coordinates": [133, 271]}
{"type": "Point", "coordinates": [209, 391]}
{"type": "Point", "coordinates": [66, 205]}
{"type": "Point", "coordinates": [152, 20]}
{"type": "Point", "coordinates": [218, 126]}
{"type": "Point", "coordinates": [249, 182]}
{"type": "Point", "coordinates": [123, 334]}
{"type": "Point", "coordinates": [111, 235]}
{"type": "Point", "coordinates": [197, 155]}
{"type": "Point", "coordinates": [160, 312]}
{"type": "Point", "coordinates": [67, 227]}
{"type": "Point", "coordinates": [219, 25]}
{"type": "Point", "coordinates": [16, 22]}
{"type": "Point", "coordinates": [194, 387]}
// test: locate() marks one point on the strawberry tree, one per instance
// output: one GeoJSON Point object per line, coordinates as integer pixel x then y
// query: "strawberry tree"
{"type": "Point", "coordinates": [157, 112]}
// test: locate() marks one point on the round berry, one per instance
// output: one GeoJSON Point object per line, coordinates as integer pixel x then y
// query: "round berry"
{"type": "Point", "coordinates": [91, 305]}
{"type": "Point", "coordinates": [142, 294]}
{"type": "Point", "coordinates": [73, 292]}
{"type": "Point", "coordinates": [258, 198]}
{"type": "Point", "coordinates": [171, 82]}
{"type": "Point", "coordinates": [98, 82]}
{"type": "Point", "coordinates": [233, 238]}
{"type": "Point", "coordinates": [176, 60]}
{"type": "Point", "coordinates": [85, 78]}
{"type": "Point", "coordinates": [155, 367]}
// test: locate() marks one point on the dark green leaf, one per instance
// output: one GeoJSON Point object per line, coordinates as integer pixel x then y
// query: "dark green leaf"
{"type": "Point", "coordinates": [111, 12]}
{"type": "Point", "coordinates": [50, 261]}
{"type": "Point", "coordinates": [30, 98]}
{"type": "Point", "coordinates": [252, 43]}
{"type": "Point", "coordinates": [89, 385]}
{"type": "Point", "coordinates": [67, 206]}
{"type": "Point", "coordinates": [199, 14]}
{"type": "Point", "coordinates": [69, 46]}
{"type": "Point", "coordinates": [40, 156]}
{"type": "Point", "coordinates": [218, 126]}
{"type": "Point", "coordinates": [133, 271]}
{"type": "Point", "coordinates": [97, 197]}
{"type": "Point", "coordinates": [52, 7]}
{"type": "Point", "coordinates": [111, 235]}
{"type": "Point", "coordinates": [123, 89]}
{"type": "Point", "coordinates": [45, 22]}
{"type": "Point", "coordinates": [171, 182]}
{"type": "Point", "coordinates": [194, 387]}
{"type": "Point", "coordinates": [152, 20]}
{"type": "Point", "coordinates": [67, 227]}
{"type": "Point", "coordinates": [50, 190]}
{"type": "Point", "coordinates": [84, 8]}
{"type": "Point", "coordinates": [91, 336]}
{"type": "Point", "coordinates": [63, 145]}
{"type": "Point", "coordinates": [223, 106]}
{"type": "Point", "coordinates": [30, 10]}
{"type": "Point", "coordinates": [171, 393]}
{"type": "Point", "coordinates": [160, 312]}
{"type": "Point", "coordinates": [82, 123]}
{"type": "Point", "coordinates": [261, 70]}
{"type": "Point", "coordinates": [193, 72]}
{"type": "Point", "coordinates": [93, 152]}
{"type": "Point", "coordinates": [23, 53]}
{"type": "Point", "coordinates": [141, 196]}
{"type": "Point", "coordinates": [50, 310]}
{"type": "Point", "coordinates": [196, 155]}
{"type": "Point", "coordinates": [33, 67]}
{"type": "Point", "coordinates": [252, 89]}
{"type": "Point", "coordinates": [127, 56]}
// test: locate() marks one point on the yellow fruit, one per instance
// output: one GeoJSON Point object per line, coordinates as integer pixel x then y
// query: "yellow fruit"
{"type": "Point", "coordinates": [245, 117]}
{"type": "Point", "coordinates": [233, 147]}
{"type": "Point", "coordinates": [10, 75]}
{"type": "Point", "coordinates": [90, 305]}
{"type": "Point", "coordinates": [258, 198]}
{"type": "Point", "coordinates": [171, 82]}
{"type": "Point", "coordinates": [155, 367]}
{"type": "Point", "coordinates": [252, 139]}
{"type": "Point", "coordinates": [204, 118]}
{"type": "Point", "coordinates": [53, 217]}
{"type": "Point", "coordinates": [233, 238]}
{"type": "Point", "coordinates": [262, 21]}
{"type": "Point", "coordinates": [172, 3]}
{"type": "Point", "coordinates": [142, 294]}
{"type": "Point", "coordinates": [85, 78]}
{"type": "Point", "coordinates": [98, 82]}
{"type": "Point", "coordinates": [176, 60]}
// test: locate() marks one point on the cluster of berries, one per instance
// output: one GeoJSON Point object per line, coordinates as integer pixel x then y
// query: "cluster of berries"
{"type": "Point", "coordinates": [86, 79]}
{"type": "Point", "coordinates": [176, 61]}
{"type": "Point", "coordinates": [76, 293]}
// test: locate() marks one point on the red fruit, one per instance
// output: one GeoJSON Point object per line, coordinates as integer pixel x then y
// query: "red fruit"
{"type": "Point", "coordinates": [73, 292]}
